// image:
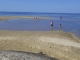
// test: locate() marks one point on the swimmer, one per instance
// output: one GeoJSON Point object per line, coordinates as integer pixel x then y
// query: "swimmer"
{"type": "Point", "coordinates": [75, 20]}
{"type": "Point", "coordinates": [60, 26]}
{"type": "Point", "coordinates": [60, 17]}
{"type": "Point", "coordinates": [51, 24]}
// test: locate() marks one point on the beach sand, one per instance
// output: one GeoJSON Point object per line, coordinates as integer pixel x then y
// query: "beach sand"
{"type": "Point", "coordinates": [26, 17]}
{"type": "Point", "coordinates": [57, 44]}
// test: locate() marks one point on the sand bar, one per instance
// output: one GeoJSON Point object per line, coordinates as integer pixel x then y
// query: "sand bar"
{"type": "Point", "coordinates": [26, 17]}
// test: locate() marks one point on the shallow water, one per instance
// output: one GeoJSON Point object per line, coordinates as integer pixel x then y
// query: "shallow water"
{"type": "Point", "coordinates": [40, 25]}
{"type": "Point", "coordinates": [67, 22]}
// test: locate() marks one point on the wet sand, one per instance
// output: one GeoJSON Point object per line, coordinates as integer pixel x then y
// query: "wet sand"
{"type": "Point", "coordinates": [56, 44]}
{"type": "Point", "coordinates": [26, 17]}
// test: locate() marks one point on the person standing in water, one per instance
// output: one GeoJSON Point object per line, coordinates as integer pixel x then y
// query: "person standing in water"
{"type": "Point", "coordinates": [75, 20]}
{"type": "Point", "coordinates": [51, 25]}
{"type": "Point", "coordinates": [60, 17]}
{"type": "Point", "coordinates": [60, 26]}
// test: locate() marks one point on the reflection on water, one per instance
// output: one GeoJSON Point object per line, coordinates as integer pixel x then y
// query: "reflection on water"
{"type": "Point", "coordinates": [38, 25]}
{"type": "Point", "coordinates": [51, 28]}
{"type": "Point", "coordinates": [60, 28]}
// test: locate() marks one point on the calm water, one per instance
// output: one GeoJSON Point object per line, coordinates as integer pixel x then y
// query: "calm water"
{"type": "Point", "coordinates": [67, 22]}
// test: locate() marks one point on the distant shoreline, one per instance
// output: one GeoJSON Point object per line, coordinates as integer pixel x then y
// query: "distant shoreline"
{"type": "Point", "coordinates": [38, 12]}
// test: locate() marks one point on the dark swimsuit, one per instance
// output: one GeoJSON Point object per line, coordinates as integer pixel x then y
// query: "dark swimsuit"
{"type": "Point", "coordinates": [51, 24]}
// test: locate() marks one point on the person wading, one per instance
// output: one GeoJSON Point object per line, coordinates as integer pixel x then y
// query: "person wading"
{"type": "Point", "coordinates": [51, 25]}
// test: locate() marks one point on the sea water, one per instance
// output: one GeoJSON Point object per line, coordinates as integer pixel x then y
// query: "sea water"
{"type": "Point", "coordinates": [67, 21]}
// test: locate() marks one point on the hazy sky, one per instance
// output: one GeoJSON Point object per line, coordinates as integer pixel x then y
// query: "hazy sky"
{"type": "Point", "coordinates": [61, 6]}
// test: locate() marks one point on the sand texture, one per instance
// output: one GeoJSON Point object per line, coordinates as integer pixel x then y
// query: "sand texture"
{"type": "Point", "coordinates": [56, 44]}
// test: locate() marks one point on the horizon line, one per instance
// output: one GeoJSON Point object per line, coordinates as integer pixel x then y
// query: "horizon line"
{"type": "Point", "coordinates": [35, 12]}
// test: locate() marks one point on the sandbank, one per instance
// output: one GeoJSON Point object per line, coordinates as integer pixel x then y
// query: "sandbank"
{"type": "Point", "coordinates": [26, 17]}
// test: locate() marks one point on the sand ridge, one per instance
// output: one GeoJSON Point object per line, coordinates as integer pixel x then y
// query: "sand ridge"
{"type": "Point", "coordinates": [64, 42]}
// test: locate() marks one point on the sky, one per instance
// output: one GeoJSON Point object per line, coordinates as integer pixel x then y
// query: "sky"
{"type": "Point", "coordinates": [50, 6]}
